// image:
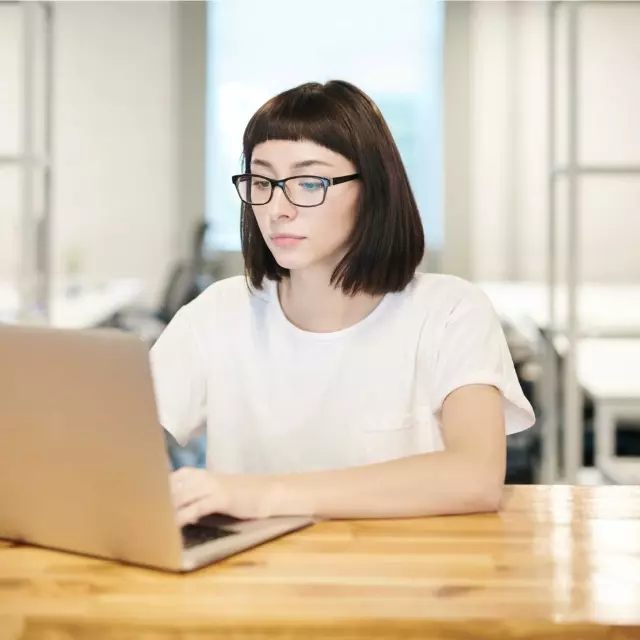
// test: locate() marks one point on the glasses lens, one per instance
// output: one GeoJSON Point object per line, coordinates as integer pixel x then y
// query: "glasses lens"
{"type": "Point", "coordinates": [253, 189]}
{"type": "Point", "coordinates": [305, 191]}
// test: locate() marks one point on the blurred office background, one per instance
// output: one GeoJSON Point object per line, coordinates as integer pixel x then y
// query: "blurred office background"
{"type": "Point", "coordinates": [121, 124]}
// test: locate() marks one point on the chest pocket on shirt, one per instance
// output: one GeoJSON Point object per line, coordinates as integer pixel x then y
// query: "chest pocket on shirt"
{"type": "Point", "coordinates": [385, 438]}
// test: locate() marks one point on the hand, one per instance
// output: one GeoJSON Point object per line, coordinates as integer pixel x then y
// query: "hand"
{"type": "Point", "coordinates": [198, 492]}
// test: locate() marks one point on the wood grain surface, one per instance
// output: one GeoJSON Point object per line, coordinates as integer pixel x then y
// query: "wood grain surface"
{"type": "Point", "coordinates": [556, 562]}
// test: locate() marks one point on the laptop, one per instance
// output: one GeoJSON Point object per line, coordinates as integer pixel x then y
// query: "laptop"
{"type": "Point", "coordinates": [83, 461]}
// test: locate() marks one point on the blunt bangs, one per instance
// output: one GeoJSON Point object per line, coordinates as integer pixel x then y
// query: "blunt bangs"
{"type": "Point", "coordinates": [306, 113]}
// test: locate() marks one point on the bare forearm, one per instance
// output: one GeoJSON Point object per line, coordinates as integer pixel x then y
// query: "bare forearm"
{"type": "Point", "coordinates": [430, 484]}
{"type": "Point", "coordinates": [467, 477]}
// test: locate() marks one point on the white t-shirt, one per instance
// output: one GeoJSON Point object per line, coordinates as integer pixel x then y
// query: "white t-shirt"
{"type": "Point", "coordinates": [277, 399]}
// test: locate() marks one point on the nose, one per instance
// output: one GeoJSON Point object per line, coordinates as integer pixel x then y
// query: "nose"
{"type": "Point", "coordinates": [279, 206]}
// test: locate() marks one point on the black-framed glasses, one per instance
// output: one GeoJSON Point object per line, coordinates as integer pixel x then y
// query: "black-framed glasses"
{"type": "Point", "coordinates": [301, 191]}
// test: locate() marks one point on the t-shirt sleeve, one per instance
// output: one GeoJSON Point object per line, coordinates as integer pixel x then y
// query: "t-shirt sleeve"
{"type": "Point", "coordinates": [179, 379]}
{"type": "Point", "coordinates": [473, 350]}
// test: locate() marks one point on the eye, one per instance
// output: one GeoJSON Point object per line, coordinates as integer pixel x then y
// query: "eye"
{"type": "Point", "coordinates": [260, 183]}
{"type": "Point", "coordinates": [311, 185]}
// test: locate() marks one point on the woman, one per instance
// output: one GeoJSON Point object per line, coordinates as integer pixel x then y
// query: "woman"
{"type": "Point", "coordinates": [333, 380]}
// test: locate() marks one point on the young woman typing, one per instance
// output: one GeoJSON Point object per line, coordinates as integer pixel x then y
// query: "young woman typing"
{"type": "Point", "coordinates": [333, 380]}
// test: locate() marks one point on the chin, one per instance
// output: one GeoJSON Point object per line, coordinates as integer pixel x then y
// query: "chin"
{"type": "Point", "coordinates": [301, 258]}
{"type": "Point", "coordinates": [293, 263]}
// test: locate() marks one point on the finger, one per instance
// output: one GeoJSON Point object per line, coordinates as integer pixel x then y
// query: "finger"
{"type": "Point", "coordinates": [181, 477]}
{"type": "Point", "coordinates": [191, 513]}
{"type": "Point", "coordinates": [184, 485]}
{"type": "Point", "coordinates": [188, 495]}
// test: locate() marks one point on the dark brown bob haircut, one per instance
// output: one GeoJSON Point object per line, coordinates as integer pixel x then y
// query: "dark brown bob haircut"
{"type": "Point", "coordinates": [387, 241]}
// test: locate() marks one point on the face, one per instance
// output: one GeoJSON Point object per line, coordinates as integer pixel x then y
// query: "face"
{"type": "Point", "coordinates": [305, 237]}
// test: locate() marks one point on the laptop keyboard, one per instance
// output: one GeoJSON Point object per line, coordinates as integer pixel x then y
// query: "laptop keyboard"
{"type": "Point", "coordinates": [211, 527]}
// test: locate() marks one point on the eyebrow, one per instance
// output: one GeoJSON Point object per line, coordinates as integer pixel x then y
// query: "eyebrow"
{"type": "Point", "coordinates": [303, 164]}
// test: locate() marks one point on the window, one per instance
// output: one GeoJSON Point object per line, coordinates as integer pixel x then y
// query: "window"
{"type": "Point", "coordinates": [391, 50]}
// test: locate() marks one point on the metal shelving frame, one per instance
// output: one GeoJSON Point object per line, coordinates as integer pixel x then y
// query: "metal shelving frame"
{"type": "Point", "coordinates": [571, 171]}
{"type": "Point", "coordinates": [34, 277]}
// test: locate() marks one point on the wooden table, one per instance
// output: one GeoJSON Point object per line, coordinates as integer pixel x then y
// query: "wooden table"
{"type": "Point", "coordinates": [557, 562]}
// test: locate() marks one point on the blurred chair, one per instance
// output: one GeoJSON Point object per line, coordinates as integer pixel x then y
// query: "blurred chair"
{"type": "Point", "coordinates": [523, 449]}
{"type": "Point", "coordinates": [148, 324]}
{"type": "Point", "coordinates": [187, 279]}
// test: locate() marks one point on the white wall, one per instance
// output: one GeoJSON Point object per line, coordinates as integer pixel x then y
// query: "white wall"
{"type": "Point", "coordinates": [115, 133]}
{"type": "Point", "coordinates": [505, 150]}
{"type": "Point", "coordinates": [126, 185]}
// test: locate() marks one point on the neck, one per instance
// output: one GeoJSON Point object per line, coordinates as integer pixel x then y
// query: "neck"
{"type": "Point", "coordinates": [311, 303]}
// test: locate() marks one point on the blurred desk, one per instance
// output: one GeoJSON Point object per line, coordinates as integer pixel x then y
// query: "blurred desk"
{"type": "Point", "coordinates": [89, 306]}
{"type": "Point", "coordinates": [621, 470]}
{"type": "Point", "coordinates": [609, 371]}
{"type": "Point", "coordinates": [609, 368]}
{"type": "Point", "coordinates": [557, 562]}
{"type": "Point", "coordinates": [603, 310]}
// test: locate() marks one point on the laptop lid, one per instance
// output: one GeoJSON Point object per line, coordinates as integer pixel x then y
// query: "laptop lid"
{"type": "Point", "coordinates": [83, 465]}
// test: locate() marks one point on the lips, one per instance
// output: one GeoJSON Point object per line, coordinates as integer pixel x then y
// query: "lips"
{"type": "Point", "coordinates": [284, 240]}
{"type": "Point", "coordinates": [286, 236]}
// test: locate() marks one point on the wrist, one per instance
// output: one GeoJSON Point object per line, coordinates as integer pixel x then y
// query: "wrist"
{"type": "Point", "coordinates": [250, 497]}
{"type": "Point", "coordinates": [254, 497]}
{"type": "Point", "coordinates": [284, 497]}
